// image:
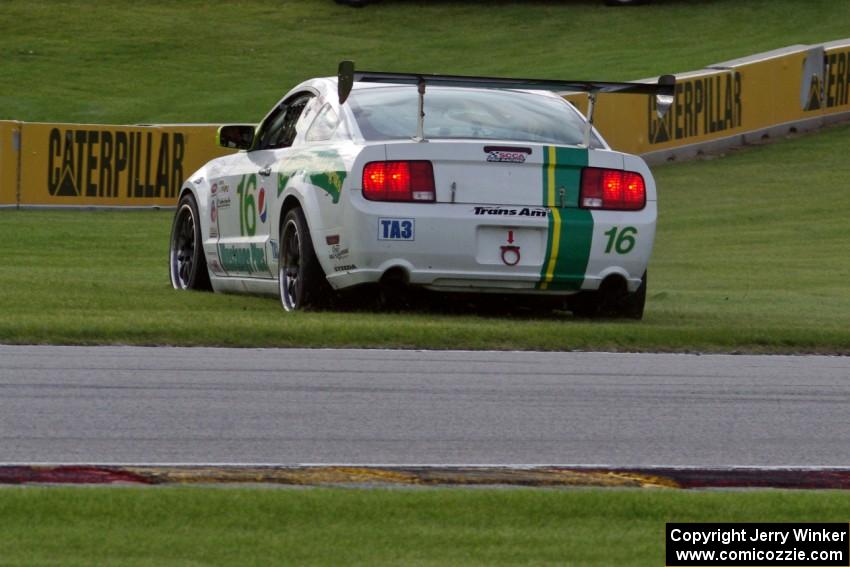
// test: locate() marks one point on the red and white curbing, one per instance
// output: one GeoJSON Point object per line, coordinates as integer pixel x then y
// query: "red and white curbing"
{"type": "Point", "coordinates": [429, 475]}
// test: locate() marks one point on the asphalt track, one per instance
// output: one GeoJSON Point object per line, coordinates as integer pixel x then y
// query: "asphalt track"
{"type": "Point", "coordinates": [178, 405]}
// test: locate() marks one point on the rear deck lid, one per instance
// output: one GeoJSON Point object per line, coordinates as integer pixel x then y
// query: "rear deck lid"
{"type": "Point", "coordinates": [500, 173]}
{"type": "Point", "coordinates": [489, 147]}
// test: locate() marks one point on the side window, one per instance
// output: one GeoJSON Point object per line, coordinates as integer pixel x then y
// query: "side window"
{"type": "Point", "coordinates": [272, 129]}
{"type": "Point", "coordinates": [324, 125]}
{"type": "Point", "coordinates": [281, 127]}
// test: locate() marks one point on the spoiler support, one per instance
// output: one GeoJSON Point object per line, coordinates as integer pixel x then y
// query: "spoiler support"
{"type": "Point", "coordinates": [420, 120]}
{"type": "Point", "coordinates": [663, 90]}
{"type": "Point", "coordinates": [591, 106]}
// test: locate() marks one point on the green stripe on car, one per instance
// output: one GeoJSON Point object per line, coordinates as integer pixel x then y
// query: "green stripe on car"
{"type": "Point", "coordinates": [570, 232]}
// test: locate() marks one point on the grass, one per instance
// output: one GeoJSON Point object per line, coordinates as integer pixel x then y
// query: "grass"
{"type": "Point", "coordinates": [209, 526]}
{"type": "Point", "coordinates": [203, 61]}
{"type": "Point", "coordinates": [746, 259]}
{"type": "Point", "coordinates": [749, 249]}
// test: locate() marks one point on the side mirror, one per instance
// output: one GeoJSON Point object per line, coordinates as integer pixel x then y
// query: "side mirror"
{"type": "Point", "coordinates": [238, 136]}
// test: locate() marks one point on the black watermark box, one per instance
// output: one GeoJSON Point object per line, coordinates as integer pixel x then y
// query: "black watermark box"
{"type": "Point", "coordinates": [763, 545]}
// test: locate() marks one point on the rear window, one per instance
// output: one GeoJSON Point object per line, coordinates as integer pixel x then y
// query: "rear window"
{"type": "Point", "coordinates": [390, 113]}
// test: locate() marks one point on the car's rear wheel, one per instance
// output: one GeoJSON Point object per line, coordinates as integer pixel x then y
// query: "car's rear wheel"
{"type": "Point", "coordinates": [612, 299]}
{"type": "Point", "coordinates": [300, 278]}
{"type": "Point", "coordinates": [633, 304]}
{"type": "Point", "coordinates": [187, 265]}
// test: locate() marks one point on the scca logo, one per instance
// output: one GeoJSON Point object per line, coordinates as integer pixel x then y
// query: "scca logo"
{"type": "Point", "coordinates": [396, 229]}
{"type": "Point", "coordinates": [703, 106]}
{"type": "Point", "coordinates": [103, 163]}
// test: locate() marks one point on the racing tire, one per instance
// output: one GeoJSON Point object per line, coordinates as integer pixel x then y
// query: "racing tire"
{"type": "Point", "coordinates": [633, 304]}
{"type": "Point", "coordinates": [585, 304]}
{"type": "Point", "coordinates": [610, 301]}
{"type": "Point", "coordinates": [186, 262]}
{"type": "Point", "coordinates": [301, 281]}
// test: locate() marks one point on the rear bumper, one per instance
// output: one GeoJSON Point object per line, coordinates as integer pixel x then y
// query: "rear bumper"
{"type": "Point", "coordinates": [486, 248]}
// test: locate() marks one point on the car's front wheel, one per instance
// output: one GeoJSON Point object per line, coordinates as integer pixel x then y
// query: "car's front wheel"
{"type": "Point", "coordinates": [301, 280]}
{"type": "Point", "coordinates": [187, 265]}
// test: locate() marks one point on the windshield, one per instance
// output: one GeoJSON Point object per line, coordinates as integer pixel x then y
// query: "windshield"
{"type": "Point", "coordinates": [390, 113]}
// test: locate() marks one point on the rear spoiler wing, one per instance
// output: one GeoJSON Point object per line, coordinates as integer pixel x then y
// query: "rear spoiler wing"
{"type": "Point", "coordinates": [663, 90]}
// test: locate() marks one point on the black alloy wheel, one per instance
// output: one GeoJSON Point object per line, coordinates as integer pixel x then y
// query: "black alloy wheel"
{"type": "Point", "coordinates": [300, 278]}
{"type": "Point", "coordinates": [187, 266]}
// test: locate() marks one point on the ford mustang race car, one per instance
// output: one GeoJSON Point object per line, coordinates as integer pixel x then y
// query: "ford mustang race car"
{"type": "Point", "coordinates": [445, 182]}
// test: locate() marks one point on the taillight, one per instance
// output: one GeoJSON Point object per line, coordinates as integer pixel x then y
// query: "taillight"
{"type": "Point", "coordinates": [612, 189]}
{"type": "Point", "coordinates": [399, 181]}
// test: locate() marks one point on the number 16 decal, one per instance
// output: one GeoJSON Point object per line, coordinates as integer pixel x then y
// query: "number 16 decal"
{"type": "Point", "coordinates": [247, 220]}
{"type": "Point", "coordinates": [622, 241]}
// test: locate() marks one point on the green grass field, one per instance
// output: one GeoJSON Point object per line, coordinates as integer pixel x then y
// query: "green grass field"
{"type": "Point", "coordinates": [749, 257]}
{"type": "Point", "coordinates": [203, 61]}
{"type": "Point", "coordinates": [209, 526]}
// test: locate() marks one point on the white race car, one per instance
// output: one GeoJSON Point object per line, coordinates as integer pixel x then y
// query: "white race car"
{"type": "Point", "coordinates": [451, 183]}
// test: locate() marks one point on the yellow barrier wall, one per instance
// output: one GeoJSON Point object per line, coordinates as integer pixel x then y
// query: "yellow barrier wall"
{"type": "Point", "coordinates": [79, 164]}
{"type": "Point", "coordinates": [708, 105]}
{"type": "Point", "coordinates": [809, 82]}
{"type": "Point", "coordinates": [9, 141]}
{"type": "Point", "coordinates": [790, 85]}
{"type": "Point", "coordinates": [96, 165]}
{"type": "Point", "coordinates": [714, 103]}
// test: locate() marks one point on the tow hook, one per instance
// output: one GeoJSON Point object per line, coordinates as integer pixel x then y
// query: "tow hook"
{"type": "Point", "coordinates": [510, 255]}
